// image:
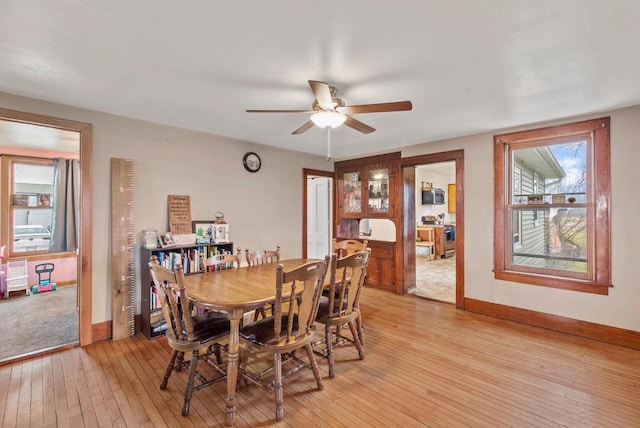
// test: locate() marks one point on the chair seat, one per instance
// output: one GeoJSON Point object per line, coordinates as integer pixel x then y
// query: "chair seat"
{"type": "Point", "coordinates": [323, 308]}
{"type": "Point", "coordinates": [262, 331]}
{"type": "Point", "coordinates": [209, 325]}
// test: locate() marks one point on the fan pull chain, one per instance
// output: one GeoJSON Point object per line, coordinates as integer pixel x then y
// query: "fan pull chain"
{"type": "Point", "coordinates": [328, 128]}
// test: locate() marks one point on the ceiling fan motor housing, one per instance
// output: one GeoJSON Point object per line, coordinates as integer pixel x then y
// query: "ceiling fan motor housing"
{"type": "Point", "coordinates": [337, 101]}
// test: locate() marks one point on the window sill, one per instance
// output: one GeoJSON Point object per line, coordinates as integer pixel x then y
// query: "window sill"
{"type": "Point", "coordinates": [41, 256]}
{"type": "Point", "coordinates": [553, 282]}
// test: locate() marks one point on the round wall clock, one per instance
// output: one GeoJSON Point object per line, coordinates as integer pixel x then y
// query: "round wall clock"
{"type": "Point", "coordinates": [251, 162]}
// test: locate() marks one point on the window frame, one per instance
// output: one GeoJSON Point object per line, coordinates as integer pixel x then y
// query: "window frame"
{"type": "Point", "coordinates": [598, 277]}
{"type": "Point", "coordinates": [517, 221]}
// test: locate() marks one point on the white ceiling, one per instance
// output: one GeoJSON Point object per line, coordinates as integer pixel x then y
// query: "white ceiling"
{"type": "Point", "coordinates": [468, 66]}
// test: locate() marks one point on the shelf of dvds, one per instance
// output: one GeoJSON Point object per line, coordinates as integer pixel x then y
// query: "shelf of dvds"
{"type": "Point", "coordinates": [151, 320]}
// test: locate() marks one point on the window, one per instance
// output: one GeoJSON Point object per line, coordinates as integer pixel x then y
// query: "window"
{"type": "Point", "coordinates": [552, 189]}
{"type": "Point", "coordinates": [29, 191]}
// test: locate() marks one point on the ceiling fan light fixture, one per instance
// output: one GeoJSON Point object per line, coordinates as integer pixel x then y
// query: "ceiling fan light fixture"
{"type": "Point", "coordinates": [328, 118]}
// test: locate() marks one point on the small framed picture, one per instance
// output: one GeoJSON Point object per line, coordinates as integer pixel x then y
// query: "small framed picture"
{"type": "Point", "coordinates": [166, 240]}
{"type": "Point", "coordinates": [220, 233]}
{"type": "Point", "coordinates": [203, 231]}
{"type": "Point", "coordinates": [44, 200]}
{"type": "Point", "coordinates": [20, 200]}
{"type": "Point", "coordinates": [534, 199]}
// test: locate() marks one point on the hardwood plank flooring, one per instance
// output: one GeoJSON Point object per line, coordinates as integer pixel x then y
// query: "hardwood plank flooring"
{"type": "Point", "coordinates": [426, 364]}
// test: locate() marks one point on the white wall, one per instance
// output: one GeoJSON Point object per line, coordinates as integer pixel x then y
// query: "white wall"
{"type": "Point", "coordinates": [620, 307]}
{"type": "Point", "coordinates": [440, 175]}
{"type": "Point", "coordinates": [263, 209]}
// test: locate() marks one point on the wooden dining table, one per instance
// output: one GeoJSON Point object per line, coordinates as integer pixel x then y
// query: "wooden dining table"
{"type": "Point", "coordinates": [237, 291]}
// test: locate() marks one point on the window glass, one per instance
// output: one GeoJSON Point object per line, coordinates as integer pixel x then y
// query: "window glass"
{"type": "Point", "coordinates": [32, 206]}
{"type": "Point", "coordinates": [556, 235]}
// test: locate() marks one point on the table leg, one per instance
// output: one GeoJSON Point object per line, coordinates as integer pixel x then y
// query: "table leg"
{"type": "Point", "coordinates": [232, 364]}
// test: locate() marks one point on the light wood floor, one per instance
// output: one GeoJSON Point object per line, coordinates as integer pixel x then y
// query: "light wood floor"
{"type": "Point", "coordinates": [427, 364]}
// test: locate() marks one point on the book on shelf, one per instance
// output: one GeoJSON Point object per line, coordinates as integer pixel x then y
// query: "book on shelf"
{"type": "Point", "coordinates": [189, 257]}
{"type": "Point", "coordinates": [158, 328]}
{"type": "Point", "coordinates": [155, 301]}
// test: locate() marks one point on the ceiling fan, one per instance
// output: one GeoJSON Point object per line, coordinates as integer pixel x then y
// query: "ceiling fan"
{"type": "Point", "coordinates": [330, 111]}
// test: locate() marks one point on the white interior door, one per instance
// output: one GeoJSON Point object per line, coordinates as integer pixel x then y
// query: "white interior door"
{"type": "Point", "coordinates": [319, 211]}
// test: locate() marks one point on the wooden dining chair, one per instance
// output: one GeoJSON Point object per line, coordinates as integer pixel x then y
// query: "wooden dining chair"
{"type": "Point", "coordinates": [340, 307]}
{"type": "Point", "coordinates": [220, 262]}
{"type": "Point", "coordinates": [259, 257]}
{"type": "Point", "coordinates": [290, 328]}
{"type": "Point", "coordinates": [187, 332]}
{"type": "Point", "coordinates": [348, 246]}
{"type": "Point", "coordinates": [342, 249]}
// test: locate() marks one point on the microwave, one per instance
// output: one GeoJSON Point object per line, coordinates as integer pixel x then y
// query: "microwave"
{"type": "Point", "coordinates": [433, 197]}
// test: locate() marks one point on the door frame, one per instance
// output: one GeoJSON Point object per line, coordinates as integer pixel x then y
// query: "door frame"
{"type": "Point", "coordinates": [306, 173]}
{"type": "Point", "coordinates": [84, 261]}
{"type": "Point", "coordinates": [408, 225]}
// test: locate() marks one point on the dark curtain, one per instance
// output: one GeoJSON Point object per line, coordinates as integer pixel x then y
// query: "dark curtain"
{"type": "Point", "coordinates": [66, 205]}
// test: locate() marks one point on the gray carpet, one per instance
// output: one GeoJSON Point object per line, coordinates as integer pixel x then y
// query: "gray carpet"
{"type": "Point", "coordinates": [39, 321]}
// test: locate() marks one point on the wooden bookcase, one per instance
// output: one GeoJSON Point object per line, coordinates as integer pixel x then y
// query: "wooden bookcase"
{"type": "Point", "coordinates": [151, 319]}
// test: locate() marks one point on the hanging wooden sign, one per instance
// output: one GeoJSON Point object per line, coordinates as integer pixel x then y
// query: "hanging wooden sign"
{"type": "Point", "coordinates": [179, 214]}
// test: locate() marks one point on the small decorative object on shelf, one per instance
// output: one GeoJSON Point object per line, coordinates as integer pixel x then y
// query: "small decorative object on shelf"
{"type": "Point", "coordinates": [44, 200]}
{"type": "Point", "coordinates": [166, 240]}
{"type": "Point", "coordinates": [534, 199]}
{"type": "Point", "coordinates": [20, 200]}
{"type": "Point", "coordinates": [203, 231]}
{"type": "Point", "coordinates": [150, 237]}
{"type": "Point", "coordinates": [220, 229]}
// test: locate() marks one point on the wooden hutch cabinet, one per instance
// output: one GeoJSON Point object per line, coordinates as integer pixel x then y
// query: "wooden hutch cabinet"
{"type": "Point", "coordinates": [367, 188]}
{"type": "Point", "coordinates": [382, 267]}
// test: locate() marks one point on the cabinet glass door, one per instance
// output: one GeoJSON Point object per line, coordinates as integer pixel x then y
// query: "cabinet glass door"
{"type": "Point", "coordinates": [351, 192]}
{"type": "Point", "coordinates": [378, 196]}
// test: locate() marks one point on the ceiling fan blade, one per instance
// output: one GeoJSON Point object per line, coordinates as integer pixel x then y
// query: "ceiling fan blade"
{"type": "Point", "coordinates": [280, 111]}
{"type": "Point", "coordinates": [358, 126]}
{"type": "Point", "coordinates": [303, 128]}
{"type": "Point", "coordinates": [322, 93]}
{"type": "Point", "coordinates": [376, 108]}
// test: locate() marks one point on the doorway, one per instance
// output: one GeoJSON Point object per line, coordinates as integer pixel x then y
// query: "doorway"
{"type": "Point", "coordinates": [439, 214]}
{"type": "Point", "coordinates": [82, 255]}
{"type": "Point", "coordinates": [317, 218]}
{"type": "Point", "coordinates": [435, 232]}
